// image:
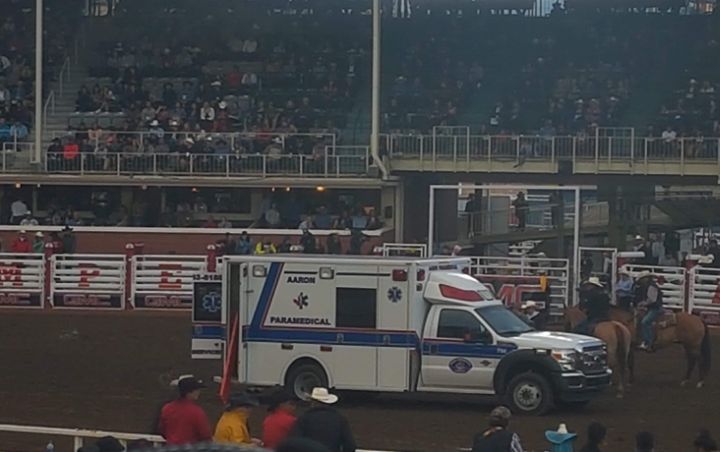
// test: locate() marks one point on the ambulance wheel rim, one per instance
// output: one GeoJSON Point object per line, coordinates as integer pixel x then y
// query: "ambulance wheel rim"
{"type": "Point", "coordinates": [305, 383]}
{"type": "Point", "coordinates": [528, 396]}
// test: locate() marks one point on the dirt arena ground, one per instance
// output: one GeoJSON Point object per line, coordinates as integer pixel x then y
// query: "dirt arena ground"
{"type": "Point", "coordinates": [110, 371]}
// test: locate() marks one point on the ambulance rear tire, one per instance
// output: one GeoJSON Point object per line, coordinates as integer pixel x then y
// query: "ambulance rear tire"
{"type": "Point", "coordinates": [530, 393]}
{"type": "Point", "coordinates": [303, 377]}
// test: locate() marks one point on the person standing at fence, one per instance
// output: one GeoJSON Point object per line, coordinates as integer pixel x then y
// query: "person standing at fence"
{"type": "Point", "coordinates": [497, 438]}
{"type": "Point", "coordinates": [650, 297]}
{"type": "Point", "coordinates": [183, 421]}
{"type": "Point", "coordinates": [324, 424]}
{"type": "Point", "coordinates": [278, 424]}
{"type": "Point", "coordinates": [68, 240]}
{"type": "Point", "coordinates": [232, 428]}
{"type": "Point", "coordinates": [521, 210]}
{"type": "Point", "coordinates": [21, 244]}
{"type": "Point", "coordinates": [38, 246]}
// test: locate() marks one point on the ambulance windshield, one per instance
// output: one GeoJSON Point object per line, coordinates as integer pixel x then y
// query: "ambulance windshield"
{"type": "Point", "coordinates": [503, 321]}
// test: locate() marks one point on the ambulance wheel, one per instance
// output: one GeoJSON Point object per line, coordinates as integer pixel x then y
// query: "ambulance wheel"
{"type": "Point", "coordinates": [303, 377]}
{"type": "Point", "coordinates": [529, 393]}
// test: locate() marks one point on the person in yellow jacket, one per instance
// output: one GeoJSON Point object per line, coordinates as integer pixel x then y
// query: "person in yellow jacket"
{"type": "Point", "coordinates": [232, 428]}
{"type": "Point", "coordinates": [266, 247]}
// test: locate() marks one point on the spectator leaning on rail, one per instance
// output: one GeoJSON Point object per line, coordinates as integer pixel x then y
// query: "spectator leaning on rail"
{"type": "Point", "coordinates": [497, 438]}
{"type": "Point", "coordinates": [183, 421]}
{"type": "Point", "coordinates": [232, 428]}
{"type": "Point", "coordinates": [324, 424]}
{"type": "Point", "coordinates": [21, 244]}
{"type": "Point", "coordinates": [278, 424]}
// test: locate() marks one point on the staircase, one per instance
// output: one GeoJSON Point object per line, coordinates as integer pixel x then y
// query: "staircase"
{"type": "Point", "coordinates": [56, 121]}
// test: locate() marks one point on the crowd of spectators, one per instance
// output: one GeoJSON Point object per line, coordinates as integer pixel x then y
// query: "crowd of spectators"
{"type": "Point", "coordinates": [17, 73]}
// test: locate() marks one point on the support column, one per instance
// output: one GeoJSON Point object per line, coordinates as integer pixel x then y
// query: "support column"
{"type": "Point", "coordinates": [36, 156]}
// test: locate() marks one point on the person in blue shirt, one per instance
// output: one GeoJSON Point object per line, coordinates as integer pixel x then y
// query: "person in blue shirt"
{"type": "Point", "coordinates": [624, 290]}
{"type": "Point", "coordinates": [4, 130]}
{"type": "Point", "coordinates": [19, 131]}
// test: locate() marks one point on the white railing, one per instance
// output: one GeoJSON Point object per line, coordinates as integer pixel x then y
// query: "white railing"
{"type": "Point", "coordinates": [404, 249]}
{"type": "Point", "coordinates": [523, 153]}
{"type": "Point", "coordinates": [80, 435]}
{"type": "Point", "coordinates": [63, 76]}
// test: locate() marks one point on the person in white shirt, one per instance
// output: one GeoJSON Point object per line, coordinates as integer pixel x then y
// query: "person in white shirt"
{"type": "Point", "coordinates": [28, 220]}
{"type": "Point", "coordinates": [18, 210]}
{"type": "Point", "coordinates": [669, 135]}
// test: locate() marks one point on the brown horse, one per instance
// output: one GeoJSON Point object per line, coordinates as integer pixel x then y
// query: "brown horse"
{"type": "Point", "coordinates": [685, 329]}
{"type": "Point", "coordinates": [619, 347]}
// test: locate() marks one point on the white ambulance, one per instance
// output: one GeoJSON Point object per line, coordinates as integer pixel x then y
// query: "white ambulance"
{"type": "Point", "coordinates": [386, 325]}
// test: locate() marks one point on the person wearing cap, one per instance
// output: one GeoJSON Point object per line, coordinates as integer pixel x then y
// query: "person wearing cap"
{"type": "Point", "coordinates": [497, 437]}
{"type": "Point", "coordinates": [183, 421]}
{"type": "Point", "coordinates": [68, 240]}
{"type": "Point", "coordinates": [561, 440]}
{"type": "Point", "coordinates": [38, 245]}
{"type": "Point", "coordinates": [232, 428]}
{"type": "Point", "coordinates": [624, 289]}
{"type": "Point", "coordinates": [278, 424]}
{"type": "Point", "coordinates": [21, 244]}
{"type": "Point", "coordinates": [650, 296]}
{"type": "Point", "coordinates": [596, 304]}
{"type": "Point", "coordinates": [324, 424]}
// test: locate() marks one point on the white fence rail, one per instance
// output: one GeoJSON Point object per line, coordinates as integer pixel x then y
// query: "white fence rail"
{"type": "Point", "coordinates": [80, 435]}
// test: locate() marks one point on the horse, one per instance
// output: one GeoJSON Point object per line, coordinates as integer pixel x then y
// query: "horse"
{"type": "Point", "coordinates": [619, 346]}
{"type": "Point", "coordinates": [678, 328]}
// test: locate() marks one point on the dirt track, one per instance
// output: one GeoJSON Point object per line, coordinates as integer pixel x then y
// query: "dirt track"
{"type": "Point", "coordinates": [110, 371]}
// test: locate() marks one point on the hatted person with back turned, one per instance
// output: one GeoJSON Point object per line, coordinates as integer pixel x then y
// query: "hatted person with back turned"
{"type": "Point", "coordinates": [497, 438]}
{"type": "Point", "coordinates": [232, 428]}
{"type": "Point", "coordinates": [183, 421]}
{"type": "Point", "coordinates": [280, 420]}
{"type": "Point", "coordinates": [324, 424]}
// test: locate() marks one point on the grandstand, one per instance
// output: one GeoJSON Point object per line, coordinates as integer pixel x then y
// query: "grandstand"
{"type": "Point", "coordinates": [177, 113]}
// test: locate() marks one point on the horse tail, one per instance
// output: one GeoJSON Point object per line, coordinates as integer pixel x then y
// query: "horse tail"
{"type": "Point", "coordinates": [705, 353]}
{"type": "Point", "coordinates": [622, 345]}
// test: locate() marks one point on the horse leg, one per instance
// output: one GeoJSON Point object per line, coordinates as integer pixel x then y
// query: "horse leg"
{"type": "Point", "coordinates": [691, 358]}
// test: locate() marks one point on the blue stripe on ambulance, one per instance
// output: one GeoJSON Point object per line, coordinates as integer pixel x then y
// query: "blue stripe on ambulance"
{"type": "Point", "coordinates": [208, 332]}
{"type": "Point", "coordinates": [466, 350]}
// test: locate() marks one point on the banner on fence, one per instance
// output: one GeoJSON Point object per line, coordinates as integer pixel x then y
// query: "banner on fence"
{"type": "Point", "coordinates": [165, 282]}
{"type": "Point", "coordinates": [87, 281]}
{"type": "Point", "coordinates": [22, 280]}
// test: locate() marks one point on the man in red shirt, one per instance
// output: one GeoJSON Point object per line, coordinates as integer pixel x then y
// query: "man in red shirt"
{"type": "Point", "coordinates": [280, 421]}
{"type": "Point", "coordinates": [21, 244]}
{"type": "Point", "coordinates": [183, 421]}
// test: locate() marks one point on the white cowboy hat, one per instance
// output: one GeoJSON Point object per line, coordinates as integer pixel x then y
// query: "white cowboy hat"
{"type": "Point", "coordinates": [154, 123]}
{"type": "Point", "coordinates": [644, 274]}
{"type": "Point", "coordinates": [593, 281]}
{"type": "Point", "coordinates": [529, 304]}
{"type": "Point", "coordinates": [39, 234]}
{"type": "Point", "coordinates": [322, 395]}
{"type": "Point", "coordinates": [623, 271]}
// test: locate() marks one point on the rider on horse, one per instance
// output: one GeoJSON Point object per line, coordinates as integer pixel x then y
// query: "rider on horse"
{"type": "Point", "coordinates": [649, 295]}
{"type": "Point", "coordinates": [596, 304]}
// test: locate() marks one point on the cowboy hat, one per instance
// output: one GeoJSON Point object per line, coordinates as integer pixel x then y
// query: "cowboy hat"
{"type": "Point", "coordinates": [644, 274]}
{"type": "Point", "coordinates": [593, 281]}
{"type": "Point", "coordinates": [322, 395]}
{"type": "Point", "coordinates": [529, 304]}
{"type": "Point", "coordinates": [559, 436]}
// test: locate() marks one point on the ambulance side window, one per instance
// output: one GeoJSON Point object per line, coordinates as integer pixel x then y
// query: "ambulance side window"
{"type": "Point", "coordinates": [457, 324]}
{"type": "Point", "coordinates": [355, 308]}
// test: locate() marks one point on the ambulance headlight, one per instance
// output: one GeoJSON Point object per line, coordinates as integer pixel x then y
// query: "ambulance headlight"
{"type": "Point", "coordinates": [567, 359]}
{"type": "Point", "coordinates": [327, 273]}
{"type": "Point", "coordinates": [259, 271]}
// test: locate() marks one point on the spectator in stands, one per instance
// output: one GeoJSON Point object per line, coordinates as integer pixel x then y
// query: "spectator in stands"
{"type": "Point", "coordinates": [224, 223]}
{"type": "Point", "coordinates": [4, 130]}
{"type": "Point", "coordinates": [28, 220]}
{"type": "Point", "coordinates": [644, 442]}
{"type": "Point", "coordinates": [595, 437]}
{"type": "Point", "coordinates": [333, 245]}
{"type": "Point", "coordinates": [704, 442]}
{"type": "Point", "coordinates": [232, 428]}
{"type": "Point", "coordinates": [21, 244]}
{"type": "Point", "coordinates": [521, 210]}
{"type": "Point", "coordinates": [281, 420]}
{"type": "Point", "coordinates": [38, 246]}
{"type": "Point", "coordinates": [497, 438]}
{"type": "Point", "coordinates": [308, 242]}
{"type": "Point", "coordinates": [68, 240]}
{"type": "Point", "coordinates": [323, 220]}
{"type": "Point", "coordinates": [306, 223]}
{"type": "Point", "coordinates": [19, 131]}
{"type": "Point", "coordinates": [272, 217]}
{"type": "Point", "coordinates": [244, 245]}
{"type": "Point", "coordinates": [183, 421]}
{"type": "Point", "coordinates": [324, 424]}
{"type": "Point", "coordinates": [266, 247]}
{"type": "Point", "coordinates": [18, 211]}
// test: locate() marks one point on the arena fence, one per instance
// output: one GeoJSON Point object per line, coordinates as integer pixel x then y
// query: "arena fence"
{"type": "Point", "coordinates": [80, 435]}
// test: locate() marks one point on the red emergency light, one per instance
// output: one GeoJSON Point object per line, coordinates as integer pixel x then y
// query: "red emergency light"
{"type": "Point", "coordinates": [459, 294]}
{"type": "Point", "coordinates": [399, 275]}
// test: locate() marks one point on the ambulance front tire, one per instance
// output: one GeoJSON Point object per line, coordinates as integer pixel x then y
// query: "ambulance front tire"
{"type": "Point", "coordinates": [303, 376]}
{"type": "Point", "coordinates": [530, 393]}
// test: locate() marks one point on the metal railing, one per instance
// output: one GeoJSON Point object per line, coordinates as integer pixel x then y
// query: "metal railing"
{"type": "Point", "coordinates": [49, 107]}
{"type": "Point", "coordinates": [203, 165]}
{"type": "Point", "coordinates": [521, 153]}
{"type": "Point", "coordinates": [64, 75]}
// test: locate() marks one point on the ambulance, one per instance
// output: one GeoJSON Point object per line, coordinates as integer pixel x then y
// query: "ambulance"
{"type": "Point", "coordinates": [383, 324]}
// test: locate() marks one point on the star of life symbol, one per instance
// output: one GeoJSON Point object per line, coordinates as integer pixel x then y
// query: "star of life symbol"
{"type": "Point", "coordinates": [212, 302]}
{"type": "Point", "coordinates": [394, 294]}
{"type": "Point", "coordinates": [301, 300]}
